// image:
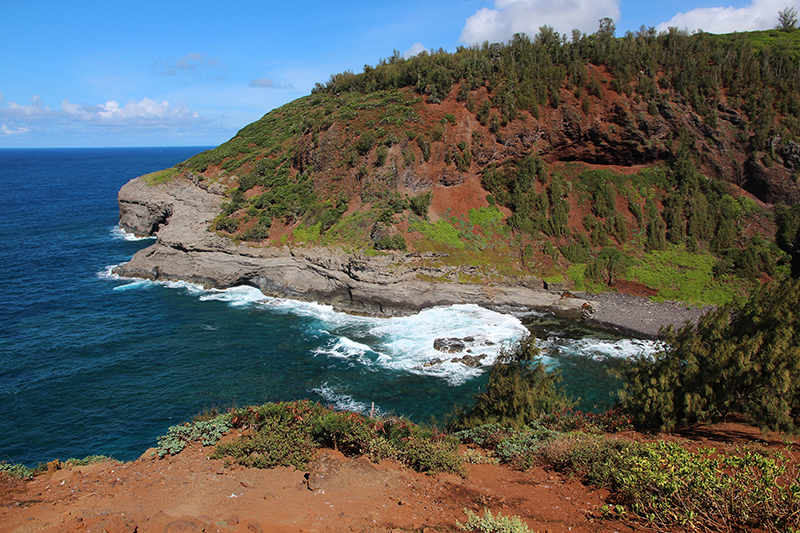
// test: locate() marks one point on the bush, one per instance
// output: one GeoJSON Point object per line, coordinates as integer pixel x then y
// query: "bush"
{"type": "Point", "coordinates": [492, 524]}
{"type": "Point", "coordinates": [518, 392]}
{"type": "Point", "coordinates": [660, 484]}
{"type": "Point", "coordinates": [289, 434]}
{"type": "Point", "coordinates": [207, 432]}
{"type": "Point", "coordinates": [419, 204]}
{"type": "Point", "coordinates": [740, 358]}
{"type": "Point", "coordinates": [575, 252]}
{"type": "Point", "coordinates": [16, 471]}
{"type": "Point", "coordinates": [395, 242]}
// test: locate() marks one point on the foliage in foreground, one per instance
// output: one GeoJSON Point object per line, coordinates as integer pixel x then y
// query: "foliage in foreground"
{"type": "Point", "coordinates": [518, 392]}
{"type": "Point", "coordinates": [660, 484]}
{"type": "Point", "coordinates": [492, 524]}
{"type": "Point", "coordinates": [290, 433]}
{"type": "Point", "coordinates": [25, 472]}
{"type": "Point", "coordinates": [741, 358]}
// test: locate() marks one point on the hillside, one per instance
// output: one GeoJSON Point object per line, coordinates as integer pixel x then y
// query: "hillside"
{"type": "Point", "coordinates": [649, 163]}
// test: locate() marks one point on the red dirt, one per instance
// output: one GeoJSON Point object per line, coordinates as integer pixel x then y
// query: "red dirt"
{"type": "Point", "coordinates": [190, 492]}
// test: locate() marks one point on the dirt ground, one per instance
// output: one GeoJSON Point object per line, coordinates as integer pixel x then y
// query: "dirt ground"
{"type": "Point", "coordinates": [191, 493]}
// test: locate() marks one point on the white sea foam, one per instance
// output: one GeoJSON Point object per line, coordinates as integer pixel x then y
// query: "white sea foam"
{"type": "Point", "coordinates": [342, 401]}
{"type": "Point", "coordinates": [349, 350]}
{"type": "Point", "coordinates": [235, 296]}
{"type": "Point", "coordinates": [405, 344]}
{"type": "Point", "coordinates": [108, 274]}
{"type": "Point", "coordinates": [120, 234]}
{"type": "Point", "coordinates": [598, 349]}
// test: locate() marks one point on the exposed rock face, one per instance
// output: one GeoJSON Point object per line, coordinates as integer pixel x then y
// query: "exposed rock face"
{"type": "Point", "coordinates": [179, 213]}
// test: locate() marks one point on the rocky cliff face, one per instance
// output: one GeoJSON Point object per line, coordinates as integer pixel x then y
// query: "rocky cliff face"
{"type": "Point", "coordinates": [178, 213]}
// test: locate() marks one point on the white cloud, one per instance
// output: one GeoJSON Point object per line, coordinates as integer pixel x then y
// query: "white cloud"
{"type": "Point", "coordinates": [527, 16]}
{"type": "Point", "coordinates": [415, 49]}
{"type": "Point", "coordinates": [146, 112]}
{"type": "Point", "coordinates": [5, 130]}
{"type": "Point", "coordinates": [134, 117]}
{"type": "Point", "coordinates": [36, 110]}
{"type": "Point", "coordinates": [268, 83]}
{"type": "Point", "coordinates": [191, 65]}
{"type": "Point", "coordinates": [759, 15]}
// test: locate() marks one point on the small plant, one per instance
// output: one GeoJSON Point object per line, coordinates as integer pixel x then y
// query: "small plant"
{"type": "Point", "coordinates": [476, 457]}
{"type": "Point", "coordinates": [492, 524]}
{"type": "Point", "coordinates": [16, 471]}
{"type": "Point", "coordinates": [208, 432]}
{"type": "Point", "coordinates": [419, 204]}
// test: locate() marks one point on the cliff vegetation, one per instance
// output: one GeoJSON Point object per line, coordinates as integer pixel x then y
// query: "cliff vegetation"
{"type": "Point", "coordinates": [652, 163]}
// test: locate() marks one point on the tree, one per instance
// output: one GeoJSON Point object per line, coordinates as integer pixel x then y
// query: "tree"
{"type": "Point", "coordinates": [609, 265]}
{"type": "Point", "coordinates": [740, 358]}
{"type": "Point", "coordinates": [787, 19]}
{"type": "Point", "coordinates": [519, 390]}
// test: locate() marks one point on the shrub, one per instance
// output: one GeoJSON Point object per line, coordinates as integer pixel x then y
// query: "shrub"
{"type": "Point", "coordinates": [279, 441]}
{"type": "Point", "coordinates": [208, 432]}
{"type": "Point", "coordinates": [492, 524]}
{"type": "Point", "coordinates": [17, 471]}
{"type": "Point", "coordinates": [395, 242]}
{"type": "Point", "coordinates": [575, 252]}
{"type": "Point", "coordinates": [660, 484]}
{"type": "Point", "coordinates": [226, 224]}
{"type": "Point", "coordinates": [518, 392]}
{"type": "Point", "coordinates": [289, 434]}
{"type": "Point", "coordinates": [739, 358]}
{"type": "Point", "coordinates": [419, 204]}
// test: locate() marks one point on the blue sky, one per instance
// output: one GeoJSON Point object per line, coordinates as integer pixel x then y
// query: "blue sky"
{"type": "Point", "coordinates": [166, 73]}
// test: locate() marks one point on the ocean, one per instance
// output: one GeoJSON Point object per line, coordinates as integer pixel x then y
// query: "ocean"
{"type": "Point", "coordinates": [94, 364]}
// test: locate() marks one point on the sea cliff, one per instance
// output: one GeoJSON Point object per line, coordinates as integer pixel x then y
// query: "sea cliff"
{"type": "Point", "coordinates": [178, 214]}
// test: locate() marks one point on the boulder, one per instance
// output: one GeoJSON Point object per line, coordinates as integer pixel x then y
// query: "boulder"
{"type": "Point", "coordinates": [451, 345]}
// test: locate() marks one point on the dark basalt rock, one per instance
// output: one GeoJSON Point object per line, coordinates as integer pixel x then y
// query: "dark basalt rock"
{"type": "Point", "coordinates": [471, 361]}
{"type": "Point", "coordinates": [451, 345]}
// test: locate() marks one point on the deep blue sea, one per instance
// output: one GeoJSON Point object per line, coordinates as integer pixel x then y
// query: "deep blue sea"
{"type": "Point", "coordinates": [93, 364]}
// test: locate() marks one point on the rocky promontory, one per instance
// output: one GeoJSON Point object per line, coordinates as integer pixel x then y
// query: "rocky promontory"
{"type": "Point", "coordinates": [178, 213]}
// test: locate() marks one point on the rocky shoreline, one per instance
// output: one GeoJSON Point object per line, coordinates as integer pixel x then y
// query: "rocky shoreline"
{"type": "Point", "coordinates": [179, 212]}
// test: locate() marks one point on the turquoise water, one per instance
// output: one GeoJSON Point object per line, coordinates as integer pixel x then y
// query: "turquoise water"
{"type": "Point", "coordinates": [93, 364]}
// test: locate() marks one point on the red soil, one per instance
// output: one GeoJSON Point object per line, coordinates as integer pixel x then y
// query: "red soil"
{"type": "Point", "coordinates": [189, 492]}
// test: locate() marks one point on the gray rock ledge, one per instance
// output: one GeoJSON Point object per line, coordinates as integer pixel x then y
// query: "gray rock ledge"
{"type": "Point", "coordinates": [178, 213]}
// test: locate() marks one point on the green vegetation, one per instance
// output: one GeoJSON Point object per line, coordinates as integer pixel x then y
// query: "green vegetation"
{"type": "Point", "coordinates": [659, 484]}
{"type": "Point", "coordinates": [160, 177]}
{"type": "Point", "coordinates": [683, 276]}
{"type": "Point", "coordinates": [743, 357]}
{"type": "Point", "coordinates": [441, 232]}
{"type": "Point", "coordinates": [519, 391]}
{"type": "Point", "coordinates": [360, 141]}
{"type": "Point", "coordinates": [208, 432]}
{"type": "Point", "coordinates": [492, 524]}
{"type": "Point", "coordinates": [290, 433]}
{"type": "Point", "coordinates": [24, 472]}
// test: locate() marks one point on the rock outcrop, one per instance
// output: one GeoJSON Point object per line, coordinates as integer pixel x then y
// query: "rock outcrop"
{"type": "Point", "coordinates": [179, 212]}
